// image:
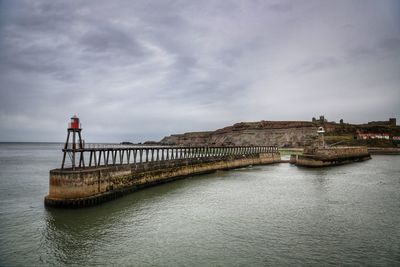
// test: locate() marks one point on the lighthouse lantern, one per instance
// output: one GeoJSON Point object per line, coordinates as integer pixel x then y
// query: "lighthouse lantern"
{"type": "Point", "coordinates": [74, 123]}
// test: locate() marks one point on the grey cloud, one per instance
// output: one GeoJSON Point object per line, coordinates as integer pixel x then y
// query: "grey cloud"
{"type": "Point", "coordinates": [315, 64]}
{"type": "Point", "coordinates": [360, 54]}
{"type": "Point", "coordinates": [281, 7]}
{"type": "Point", "coordinates": [107, 45]}
{"type": "Point", "coordinates": [152, 68]}
{"type": "Point", "coordinates": [231, 55]}
{"type": "Point", "coordinates": [106, 39]}
{"type": "Point", "coordinates": [378, 51]}
{"type": "Point", "coordinates": [390, 44]}
{"type": "Point", "coordinates": [39, 17]}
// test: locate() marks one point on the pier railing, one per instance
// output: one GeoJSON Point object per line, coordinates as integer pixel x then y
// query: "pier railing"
{"type": "Point", "coordinates": [97, 155]}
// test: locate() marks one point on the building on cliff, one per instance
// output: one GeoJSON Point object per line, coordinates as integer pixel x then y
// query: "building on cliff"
{"type": "Point", "coordinates": [321, 119]}
{"type": "Point", "coordinates": [365, 136]}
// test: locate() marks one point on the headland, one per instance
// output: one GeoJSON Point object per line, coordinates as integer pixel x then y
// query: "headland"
{"type": "Point", "coordinates": [295, 134]}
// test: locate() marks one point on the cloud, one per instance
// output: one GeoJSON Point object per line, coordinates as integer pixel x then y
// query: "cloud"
{"type": "Point", "coordinates": [316, 64]}
{"type": "Point", "coordinates": [390, 44]}
{"type": "Point", "coordinates": [139, 70]}
{"type": "Point", "coordinates": [281, 7]}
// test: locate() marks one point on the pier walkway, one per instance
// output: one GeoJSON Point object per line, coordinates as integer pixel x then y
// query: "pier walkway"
{"type": "Point", "coordinates": [96, 155]}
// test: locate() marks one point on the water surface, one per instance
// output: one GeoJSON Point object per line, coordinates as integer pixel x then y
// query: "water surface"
{"type": "Point", "coordinates": [266, 215]}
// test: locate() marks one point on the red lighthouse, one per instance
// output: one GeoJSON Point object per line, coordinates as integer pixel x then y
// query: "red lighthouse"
{"type": "Point", "coordinates": [77, 144]}
{"type": "Point", "coordinates": [74, 124]}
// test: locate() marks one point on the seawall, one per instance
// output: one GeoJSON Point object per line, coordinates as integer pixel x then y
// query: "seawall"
{"type": "Point", "coordinates": [384, 150]}
{"type": "Point", "coordinates": [91, 186]}
{"type": "Point", "coordinates": [322, 157]}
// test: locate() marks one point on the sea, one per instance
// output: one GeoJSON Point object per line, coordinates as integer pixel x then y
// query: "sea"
{"type": "Point", "coordinates": [272, 215]}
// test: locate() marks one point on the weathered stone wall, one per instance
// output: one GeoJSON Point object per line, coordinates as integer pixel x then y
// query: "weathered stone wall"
{"type": "Point", "coordinates": [88, 183]}
{"type": "Point", "coordinates": [384, 151]}
{"type": "Point", "coordinates": [330, 156]}
{"type": "Point", "coordinates": [336, 152]}
{"type": "Point", "coordinates": [314, 162]}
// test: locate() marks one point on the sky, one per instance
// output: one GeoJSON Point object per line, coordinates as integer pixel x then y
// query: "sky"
{"type": "Point", "coordinates": [141, 70]}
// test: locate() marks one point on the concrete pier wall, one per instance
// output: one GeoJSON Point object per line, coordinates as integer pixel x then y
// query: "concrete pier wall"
{"type": "Point", "coordinates": [331, 156]}
{"type": "Point", "coordinates": [85, 187]}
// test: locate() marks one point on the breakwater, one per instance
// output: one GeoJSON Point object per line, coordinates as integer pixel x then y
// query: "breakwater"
{"type": "Point", "coordinates": [95, 183]}
{"type": "Point", "coordinates": [330, 156]}
{"type": "Point", "coordinates": [384, 150]}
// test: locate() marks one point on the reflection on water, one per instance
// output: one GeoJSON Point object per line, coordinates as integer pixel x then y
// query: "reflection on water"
{"type": "Point", "coordinates": [266, 215]}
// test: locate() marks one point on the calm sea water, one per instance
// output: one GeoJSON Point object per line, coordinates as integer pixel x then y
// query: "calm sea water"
{"type": "Point", "coordinates": [266, 215]}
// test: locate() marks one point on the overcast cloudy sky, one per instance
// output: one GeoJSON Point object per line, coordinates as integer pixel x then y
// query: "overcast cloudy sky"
{"type": "Point", "coordinates": [140, 70]}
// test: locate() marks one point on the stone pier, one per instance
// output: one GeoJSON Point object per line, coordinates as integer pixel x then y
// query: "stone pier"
{"type": "Point", "coordinates": [88, 186]}
{"type": "Point", "coordinates": [330, 156]}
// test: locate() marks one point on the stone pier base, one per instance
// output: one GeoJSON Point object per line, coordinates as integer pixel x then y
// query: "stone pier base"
{"type": "Point", "coordinates": [323, 157]}
{"type": "Point", "coordinates": [91, 186]}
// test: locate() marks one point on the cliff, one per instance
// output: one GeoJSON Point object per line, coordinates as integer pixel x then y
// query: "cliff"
{"type": "Point", "coordinates": [286, 134]}
{"type": "Point", "coordinates": [280, 133]}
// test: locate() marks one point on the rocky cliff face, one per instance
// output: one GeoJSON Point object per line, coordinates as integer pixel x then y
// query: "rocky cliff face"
{"type": "Point", "coordinates": [284, 134]}
{"type": "Point", "coordinates": [279, 133]}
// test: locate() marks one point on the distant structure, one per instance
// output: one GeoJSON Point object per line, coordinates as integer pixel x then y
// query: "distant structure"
{"type": "Point", "coordinates": [323, 120]}
{"type": "Point", "coordinates": [320, 120]}
{"type": "Point", "coordinates": [369, 135]}
{"type": "Point", "coordinates": [321, 132]}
